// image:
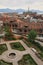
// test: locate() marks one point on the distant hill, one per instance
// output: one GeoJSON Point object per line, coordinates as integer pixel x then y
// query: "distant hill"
{"type": "Point", "coordinates": [20, 10]}
{"type": "Point", "coordinates": [7, 10]}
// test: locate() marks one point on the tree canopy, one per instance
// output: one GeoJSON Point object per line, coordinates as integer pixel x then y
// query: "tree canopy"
{"type": "Point", "coordinates": [32, 35]}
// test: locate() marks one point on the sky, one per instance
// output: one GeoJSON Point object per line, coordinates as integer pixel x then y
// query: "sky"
{"type": "Point", "coordinates": [24, 4]}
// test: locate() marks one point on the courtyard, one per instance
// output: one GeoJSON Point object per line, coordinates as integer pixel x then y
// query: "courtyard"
{"type": "Point", "coordinates": [16, 52]}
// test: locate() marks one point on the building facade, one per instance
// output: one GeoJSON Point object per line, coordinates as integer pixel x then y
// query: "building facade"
{"type": "Point", "coordinates": [20, 27]}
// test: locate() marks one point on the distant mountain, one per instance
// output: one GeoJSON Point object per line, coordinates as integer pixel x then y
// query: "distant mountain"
{"type": "Point", "coordinates": [20, 10]}
{"type": "Point", "coordinates": [7, 10]}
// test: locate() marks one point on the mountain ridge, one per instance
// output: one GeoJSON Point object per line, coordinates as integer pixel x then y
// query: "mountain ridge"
{"type": "Point", "coordinates": [7, 10]}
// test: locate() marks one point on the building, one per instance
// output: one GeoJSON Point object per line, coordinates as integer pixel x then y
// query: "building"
{"type": "Point", "coordinates": [21, 27]}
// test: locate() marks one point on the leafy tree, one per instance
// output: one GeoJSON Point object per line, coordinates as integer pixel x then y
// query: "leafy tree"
{"type": "Point", "coordinates": [32, 35]}
{"type": "Point", "coordinates": [8, 33]}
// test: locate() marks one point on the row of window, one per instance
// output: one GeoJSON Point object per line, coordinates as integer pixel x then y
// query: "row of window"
{"type": "Point", "coordinates": [25, 28]}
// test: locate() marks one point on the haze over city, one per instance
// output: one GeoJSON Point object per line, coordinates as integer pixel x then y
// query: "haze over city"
{"type": "Point", "coordinates": [24, 4]}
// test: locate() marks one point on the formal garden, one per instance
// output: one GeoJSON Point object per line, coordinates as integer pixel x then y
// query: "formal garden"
{"type": "Point", "coordinates": [27, 60]}
{"type": "Point", "coordinates": [17, 46]}
{"type": "Point", "coordinates": [13, 47]}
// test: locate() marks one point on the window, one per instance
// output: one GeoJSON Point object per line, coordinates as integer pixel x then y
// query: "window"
{"type": "Point", "coordinates": [25, 26]}
{"type": "Point", "coordinates": [13, 25]}
{"type": "Point", "coordinates": [11, 21]}
{"type": "Point", "coordinates": [16, 25]}
{"type": "Point", "coordinates": [25, 30]}
{"type": "Point", "coordinates": [40, 30]}
{"type": "Point", "coordinates": [20, 30]}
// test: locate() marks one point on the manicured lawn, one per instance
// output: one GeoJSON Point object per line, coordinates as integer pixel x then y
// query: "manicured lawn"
{"type": "Point", "coordinates": [17, 46]}
{"type": "Point", "coordinates": [3, 48]}
{"type": "Point", "coordinates": [27, 60]}
{"type": "Point", "coordinates": [4, 63]}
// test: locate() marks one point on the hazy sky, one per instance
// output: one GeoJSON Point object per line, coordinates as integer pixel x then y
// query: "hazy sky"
{"type": "Point", "coordinates": [14, 4]}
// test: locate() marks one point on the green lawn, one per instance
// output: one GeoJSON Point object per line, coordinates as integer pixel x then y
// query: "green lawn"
{"type": "Point", "coordinates": [41, 54]}
{"type": "Point", "coordinates": [35, 45]}
{"type": "Point", "coordinates": [39, 48]}
{"type": "Point", "coordinates": [17, 46]}
{"type": "Point", "coordinates": [4, 63]}
{"type": "Point", "coordinates": [28, 43]}
{"type": "Point", "coordinates": [27, 60]}
{"type": "Point", "coordinates": [3, 48]}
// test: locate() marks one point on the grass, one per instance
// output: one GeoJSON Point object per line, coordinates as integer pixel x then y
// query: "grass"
{"type": "Point", "coordinates": [41, 54]}
{"type": "Point", "coordinates": [27, 43]}
{"type": "Point", "coordinates": [17, 46]}
{"type": "Point", "coordinates": [39, 48]}
{"type": "Point", "coordinates": [27, 60]}
{"type": "Point", "coordinates": [35, 45]}
{"type": "Point", "coordinates": [38, 45]}
{"type": "Point", "coordinates": [10, 38]}
{"type": "Point", "coordinates": [3, 48]}
{"type": "Point", "coordinates": [4, 63]}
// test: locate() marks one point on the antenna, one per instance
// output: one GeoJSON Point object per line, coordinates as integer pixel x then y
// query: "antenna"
{"type": "Point", "coordinates": [28, 8]}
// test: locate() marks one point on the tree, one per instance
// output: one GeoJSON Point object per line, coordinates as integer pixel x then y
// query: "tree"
{"type": "Point", "coordinates": [8, 33]}
{"type": "Point", "coordinates": [32, 35]}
